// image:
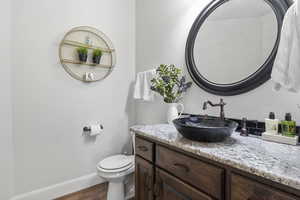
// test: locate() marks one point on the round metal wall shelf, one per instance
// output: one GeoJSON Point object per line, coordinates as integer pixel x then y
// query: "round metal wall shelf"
{"type": "Point", "coordinates": [90, 38]}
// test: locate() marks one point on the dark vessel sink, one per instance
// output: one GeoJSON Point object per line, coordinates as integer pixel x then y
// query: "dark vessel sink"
{"type": "Point", "coordinates": [205, 129]}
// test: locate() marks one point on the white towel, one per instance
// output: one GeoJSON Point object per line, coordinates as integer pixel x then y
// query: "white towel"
{"type": "Point", "coordinates": [286, 69]}
{"type": "Point", "coordinates": [142, 89]}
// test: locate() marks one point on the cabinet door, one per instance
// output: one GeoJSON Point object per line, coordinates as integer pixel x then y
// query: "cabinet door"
{"type": "Point", "coordinates": [243, 188]}
{"type": "Point", "coordinates": [144, 172]}
{"type": "Point", "coordinates": [168, 187]}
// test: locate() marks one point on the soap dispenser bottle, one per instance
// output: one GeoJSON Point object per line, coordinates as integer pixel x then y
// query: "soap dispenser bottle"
{"type": "Point", "coordinates": [288, 126]}
{"type": "Point", "coordinates": [272, 124]}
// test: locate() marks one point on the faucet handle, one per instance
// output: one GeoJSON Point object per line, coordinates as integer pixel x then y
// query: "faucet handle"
{"type": "Point", "coordinates": [204, 107]}
{"type": "Point", "coordinates": [222, 102]}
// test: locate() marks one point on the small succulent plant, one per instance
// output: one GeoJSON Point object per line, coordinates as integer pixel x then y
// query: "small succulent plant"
{"type": "Point", "coordinates": [169, 83]}
{"type": "Point", "coordinates": [97, 52]}
{"type": "Point", "coordinates": [82, 54]}
{"type": "Point", "coordinates": [82, 50]}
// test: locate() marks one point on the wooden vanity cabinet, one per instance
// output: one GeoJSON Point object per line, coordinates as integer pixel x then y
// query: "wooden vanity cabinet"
{"type": "Point", "coordinates": [165, 173]}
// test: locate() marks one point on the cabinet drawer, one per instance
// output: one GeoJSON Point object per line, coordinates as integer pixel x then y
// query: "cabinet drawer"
{"type": "Point", "coordinates": [206, 177]}
{"type": "Point", "coordinates": [243, 188]}
{"type": "Point", "coordinates": [170, 188]}
{"type": "Point", "coordinates": [144, 148]}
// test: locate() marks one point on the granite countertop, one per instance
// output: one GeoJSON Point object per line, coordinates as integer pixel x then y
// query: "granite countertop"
{"type": "Point", "coordinates": [277, 162]}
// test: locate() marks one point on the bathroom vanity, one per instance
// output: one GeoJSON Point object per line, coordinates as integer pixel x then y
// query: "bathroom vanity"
{"type": "Point", "coordinates": [170, 167]}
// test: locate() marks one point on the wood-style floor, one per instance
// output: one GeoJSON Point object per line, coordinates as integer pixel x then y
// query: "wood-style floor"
{"type": "Point", "coordinates": [97, 192]}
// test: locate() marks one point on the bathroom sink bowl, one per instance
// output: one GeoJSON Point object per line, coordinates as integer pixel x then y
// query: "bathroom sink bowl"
{"type": "Point", "coordinates": [205, 129]}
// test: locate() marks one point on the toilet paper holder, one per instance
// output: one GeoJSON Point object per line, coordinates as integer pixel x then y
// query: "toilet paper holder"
{"type": "Point", "coordinates": [88, 129]}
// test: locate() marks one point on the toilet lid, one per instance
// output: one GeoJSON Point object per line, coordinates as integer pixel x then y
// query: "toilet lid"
{"type": "Point", "coordinates": [116, 162]}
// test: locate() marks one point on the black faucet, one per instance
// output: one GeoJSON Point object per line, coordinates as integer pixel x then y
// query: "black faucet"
{"type": "Point", "coordinates": [221, 104]}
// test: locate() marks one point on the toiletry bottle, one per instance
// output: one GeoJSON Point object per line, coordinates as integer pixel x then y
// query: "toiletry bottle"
{"type": "Point", "coordinates": [288, 126]}
{"type": "Point", "coordinates": [244, 131]}
{"type": "Point", "coordinates": [272, 124]}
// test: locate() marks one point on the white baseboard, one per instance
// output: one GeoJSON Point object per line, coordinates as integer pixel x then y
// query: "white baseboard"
{"type": "Point", "coordinates": [61, 189]}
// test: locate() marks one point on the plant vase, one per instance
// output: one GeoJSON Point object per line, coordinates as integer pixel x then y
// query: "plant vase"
{"type": "Point", "coordinates": [96, 59]}
{"type": "Point", "coordinates": [174, 111]}
{"type": "Point", "coordinates": [97, 53]}
{"type": "Point", "coordinates": [82, 57]}
{"type": "Point", "coordinates": [82, 54]}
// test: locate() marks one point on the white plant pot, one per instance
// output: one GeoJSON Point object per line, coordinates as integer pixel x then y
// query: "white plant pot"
{"type": "Point", "coordinates": [173, 112]}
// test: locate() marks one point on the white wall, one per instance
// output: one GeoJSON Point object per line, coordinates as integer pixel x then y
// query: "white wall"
{"type": "Point", "coordinates": [50, 108]}
{"type": "Point", "coordinates": [162, 30]}
{"type": "Point", "coordinates": [6, 145]}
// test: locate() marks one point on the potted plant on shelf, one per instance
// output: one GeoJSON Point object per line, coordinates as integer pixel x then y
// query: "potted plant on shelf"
{"type": "Point", "coordinates": [82, 54]}
{"type": "Point", "coordinates": [171, 85]}
{"type": "Point", "coordinates": [97, 53]}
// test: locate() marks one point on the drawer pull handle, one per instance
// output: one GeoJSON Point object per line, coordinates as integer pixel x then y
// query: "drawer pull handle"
{"type": "Point", "coordinates": [257, 198]}
{"type": "Point", "coordinates": [158, 188]}
{"type": "Point", "coordinates": [182, 166]}
{"type": "Point", "coordinates": [143, 148]}
{"type": "Point", "coordinates": [149, 183]}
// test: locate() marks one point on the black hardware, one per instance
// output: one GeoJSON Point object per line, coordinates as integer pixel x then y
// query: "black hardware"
{"type": "Point", "coordinates": [88, 128]}
{"type": "Point", "coordinates": [221, 105]}
{"type": "Point", "coordinates": [158, 187]}
{"type": "Point", "coordinates": [143, 148]}
{"type": "Point", "coordinates": [182, 166]}
{"type": "Point", "coordinates": [244, 131]}
{"type": "Point", "coordinates": [149, 182]}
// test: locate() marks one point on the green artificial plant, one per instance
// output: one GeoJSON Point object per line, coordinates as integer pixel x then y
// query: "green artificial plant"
{"type": "Point", "coordinates": [170, 83]}
{"type": "Point", "coordinates": [82, 50]}
{"type": "Point", "coordinates": [97, 52]}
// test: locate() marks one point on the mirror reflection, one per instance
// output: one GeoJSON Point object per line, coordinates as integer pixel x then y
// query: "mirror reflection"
{"type": "Point", "coordinates": [235, 40]}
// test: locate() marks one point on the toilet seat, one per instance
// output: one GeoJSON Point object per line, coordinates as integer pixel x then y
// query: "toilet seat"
{"type": "Point", "coordinates": [116, 163]}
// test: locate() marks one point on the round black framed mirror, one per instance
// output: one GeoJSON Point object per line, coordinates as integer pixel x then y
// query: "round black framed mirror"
{"type": "Point", "coordinates": [232, 44]}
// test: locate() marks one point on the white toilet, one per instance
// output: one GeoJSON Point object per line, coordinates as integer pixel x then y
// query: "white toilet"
{"type": "Point", "coordinates": [115, 169]}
